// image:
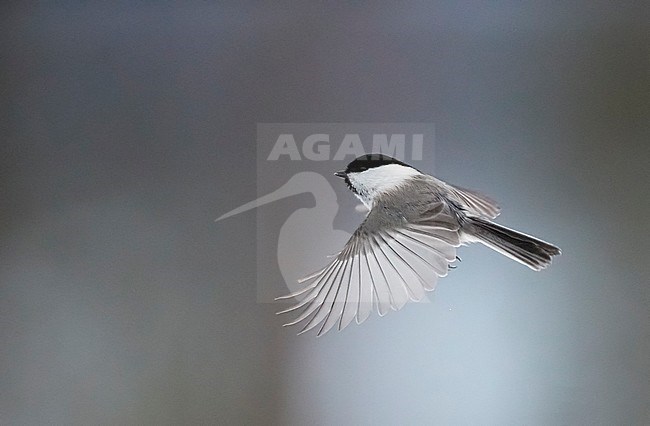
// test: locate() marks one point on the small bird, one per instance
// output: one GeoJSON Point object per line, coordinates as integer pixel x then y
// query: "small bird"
{"type": "Point", "coordinates": [407, 241]}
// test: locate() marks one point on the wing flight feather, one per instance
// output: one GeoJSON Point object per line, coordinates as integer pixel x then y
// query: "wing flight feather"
{"type": "Point", "coordinates": [381, 267]}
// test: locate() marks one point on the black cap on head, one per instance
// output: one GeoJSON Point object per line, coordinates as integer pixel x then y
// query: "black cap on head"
{"type": "Point", "coordinates": [370, 161]}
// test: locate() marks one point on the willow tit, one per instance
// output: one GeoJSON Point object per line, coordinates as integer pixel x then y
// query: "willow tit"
{"type": "Point", "coordinates": [407, 241]}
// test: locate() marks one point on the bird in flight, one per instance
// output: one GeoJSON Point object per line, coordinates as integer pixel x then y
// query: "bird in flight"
{"type": "Point", "coordinates": [407, 241]}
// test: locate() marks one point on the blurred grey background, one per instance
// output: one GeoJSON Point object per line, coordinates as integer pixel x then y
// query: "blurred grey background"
{"type": "Point", "coordinates": [127, 127]}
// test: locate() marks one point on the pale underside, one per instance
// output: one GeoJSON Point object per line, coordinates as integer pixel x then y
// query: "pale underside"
{"type": "Point", "coordinates": [395, 256]}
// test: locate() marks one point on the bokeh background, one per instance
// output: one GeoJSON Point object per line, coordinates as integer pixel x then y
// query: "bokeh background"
{"type": "Point", "coordinates": [127, 127]}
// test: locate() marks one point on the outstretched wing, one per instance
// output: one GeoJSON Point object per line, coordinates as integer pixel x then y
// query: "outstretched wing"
{"type": "Point", "coordinates": [382, 265]}
{"type": "Point", "coordinates": [475, 202]}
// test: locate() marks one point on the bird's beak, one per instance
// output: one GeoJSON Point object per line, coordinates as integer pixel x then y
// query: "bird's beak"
{"type": "Point", "coordinates": [341, 174]}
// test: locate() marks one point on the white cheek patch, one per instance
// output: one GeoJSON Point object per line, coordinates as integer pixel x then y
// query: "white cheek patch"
{"type": "Point", "coordinates": [387, 177]}
{"type": "Point", "coordinates": [378, 180]}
